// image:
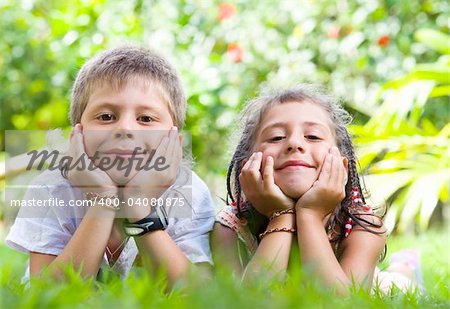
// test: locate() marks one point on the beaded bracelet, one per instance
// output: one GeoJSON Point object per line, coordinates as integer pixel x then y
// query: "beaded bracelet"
{"type": "Point", "coordinates": [281, 212]}
{"type": "Point", "coordinates": [277, 229]}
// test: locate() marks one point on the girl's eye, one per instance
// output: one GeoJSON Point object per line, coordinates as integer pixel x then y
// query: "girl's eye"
{"type": "Point", "coordinates": [145, 119]}
{"type": "Point", "coordinates": [276, 138]}
{"type": "Point", "coordinates": [313, 137]}
{"type": "Point", "coordinates": [106, 117]}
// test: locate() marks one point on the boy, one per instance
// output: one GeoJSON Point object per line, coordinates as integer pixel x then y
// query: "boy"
{"type": "Point", "coordinates": [126, 107]}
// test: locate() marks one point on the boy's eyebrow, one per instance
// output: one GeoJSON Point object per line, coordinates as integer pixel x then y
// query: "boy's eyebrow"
{"type": "Point", "coordinates": [111, 104]}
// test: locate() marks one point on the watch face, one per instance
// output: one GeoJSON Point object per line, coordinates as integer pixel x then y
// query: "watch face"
{"type": "Point", "coordinates": [134, 231]}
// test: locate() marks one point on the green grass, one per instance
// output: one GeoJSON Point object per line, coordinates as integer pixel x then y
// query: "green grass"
{"type": "Point", "coordinates": [223, 291]}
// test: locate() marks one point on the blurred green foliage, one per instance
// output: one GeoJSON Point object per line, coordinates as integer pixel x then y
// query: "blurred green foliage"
{"type": "Point", "coordinates": [225, 51]}
{"type": "Point", "coordinates": [404, 151]}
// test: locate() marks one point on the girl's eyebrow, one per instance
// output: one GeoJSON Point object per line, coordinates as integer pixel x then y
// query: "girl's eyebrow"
{"type": "Point", "coordinates": [273, 125]}
{"type": "Point", "coordinates": [306, 123]}
{"type": "Point", "coordinates": [316, 124]}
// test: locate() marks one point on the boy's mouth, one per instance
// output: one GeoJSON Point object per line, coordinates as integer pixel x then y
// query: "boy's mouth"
{"type": "Point", "coordinates": [124, 153]}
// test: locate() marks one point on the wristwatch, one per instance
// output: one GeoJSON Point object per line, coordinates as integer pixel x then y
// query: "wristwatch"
{"type": "Point", "coordinates": [156, 220]}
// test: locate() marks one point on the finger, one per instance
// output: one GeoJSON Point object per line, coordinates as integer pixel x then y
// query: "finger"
{"type": "Point", "coordinates": [336, 176]}
{"type": "Point", "coordinates": [325, 172]}
{"type": "Point", "coordinates": [175, 151]}
{"type": "Point", "coordinates": [256, 163]}
{"type": "Point", "coordinates": [251, 174]}
{"type": "Point", "coordinates": [255, 168]}
{"type": "Point", "coordinates": [161, 149]}
{"type": "Point", "coordinates": [268, 173]}
{"type": "Point", "coordinates": [249, 177]}
{"type": "Point", "coordinates": [77, 144]}
{"type": "Point", "coordinates": [172, 141]}
{"type": "Point", "coordinates": [248, 162]}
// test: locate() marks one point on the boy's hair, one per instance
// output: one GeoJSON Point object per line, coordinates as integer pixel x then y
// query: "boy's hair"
{"type": "Point", "coordinates": [250, 122]}
{"type": "Point", "coordinates": [118, 66]}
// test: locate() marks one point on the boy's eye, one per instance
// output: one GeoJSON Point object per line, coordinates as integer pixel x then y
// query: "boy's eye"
{"type": "Point", "coordinates": [145, 119]}
{"type": "Point", "coordinates": [106, 117]}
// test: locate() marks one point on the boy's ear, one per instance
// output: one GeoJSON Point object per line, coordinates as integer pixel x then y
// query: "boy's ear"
{"type": "Point", "coordinates": [180, 138]}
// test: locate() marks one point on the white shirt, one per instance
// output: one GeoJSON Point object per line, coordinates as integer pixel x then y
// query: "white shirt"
{"type": "Point", "coordinates": [48, 229]}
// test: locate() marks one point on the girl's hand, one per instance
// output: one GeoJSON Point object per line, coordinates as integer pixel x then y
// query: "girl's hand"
{"type": "Point", "coordinates": [148, 184]}
{"type": "Point", "coordinates": [86, 180]}
{"type": "Point", "coordinates": [261, 190]}
{"type": "Point", "coordinates": [329, 189]}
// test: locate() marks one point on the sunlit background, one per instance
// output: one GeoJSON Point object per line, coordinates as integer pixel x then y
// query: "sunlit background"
{"type": "Point", "coordinates": [387, 60]}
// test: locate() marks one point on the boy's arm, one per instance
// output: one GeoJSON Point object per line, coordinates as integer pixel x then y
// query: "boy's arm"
{"type": "Point", "coordinates": [84, 252]}
{"type": "Point", "coordinates": [86, 247]}
{"type": "Point", "coordinates": [159, 251]}
{"type": "Point", "coordinates": [175, 249]}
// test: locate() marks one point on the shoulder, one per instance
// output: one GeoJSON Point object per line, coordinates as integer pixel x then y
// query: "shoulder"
{"type": "Point", "coordinates": [51, 179]}
{"type": "Point", "coordinates": [202, 201]}
{"type": "Point", "coordinates": [370, 234]}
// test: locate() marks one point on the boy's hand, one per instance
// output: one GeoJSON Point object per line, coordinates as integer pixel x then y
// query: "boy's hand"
{"type": "Point", "coordinates": [329, 189]}
{"type": "Point", "coordinates": [80, 176]}
{"type": "Point", "coordinates": [261, 190]}
{"type": "Point", "coordinates": [152, 183]}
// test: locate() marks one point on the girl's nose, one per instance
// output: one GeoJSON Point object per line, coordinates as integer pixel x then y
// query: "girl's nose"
{"type": "Point", "coordinates": [295, 144]}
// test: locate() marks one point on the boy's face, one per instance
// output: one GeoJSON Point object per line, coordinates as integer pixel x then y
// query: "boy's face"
{"type": "Point", "coordinates": [298, 136]}
{"type": "Point", "coordinates": [116, 122]}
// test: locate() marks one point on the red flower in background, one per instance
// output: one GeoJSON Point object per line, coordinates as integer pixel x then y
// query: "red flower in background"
{"type": "Point", "coordinates": [235, 52]}
{"type": "Point", "coordinates": [333, 32]}
{"type": "Point", "coordinates": [226, 11]}
{"type": "Point", "coordinates": [384, 40]}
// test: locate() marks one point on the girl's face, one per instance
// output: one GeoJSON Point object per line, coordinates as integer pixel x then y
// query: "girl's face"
{"type": "Point", "coordinates": [298, 136]}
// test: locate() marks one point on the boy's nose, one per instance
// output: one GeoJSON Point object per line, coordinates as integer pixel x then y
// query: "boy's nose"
{"type": "Point", "coordinates": [124, 129]}
{"type": "Point", "coordinates": [123, 134]}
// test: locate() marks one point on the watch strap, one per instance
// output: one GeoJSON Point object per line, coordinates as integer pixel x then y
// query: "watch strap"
{"type": "Point", "coordinates": [156, 220]}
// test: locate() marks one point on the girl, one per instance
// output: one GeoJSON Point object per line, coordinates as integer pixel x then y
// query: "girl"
{"type": "Point", "coordinates": [293, 179]}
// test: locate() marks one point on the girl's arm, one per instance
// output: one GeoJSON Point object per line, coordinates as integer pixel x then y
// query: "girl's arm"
{"type": "Point", "coordinates": [224, 248]}
{"type": "Point", "coordinates": [360, 252]}
{"type": "Point", "coordinates": [271, 257]}
{"type": "Point", "coordinates": [273, 251]}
